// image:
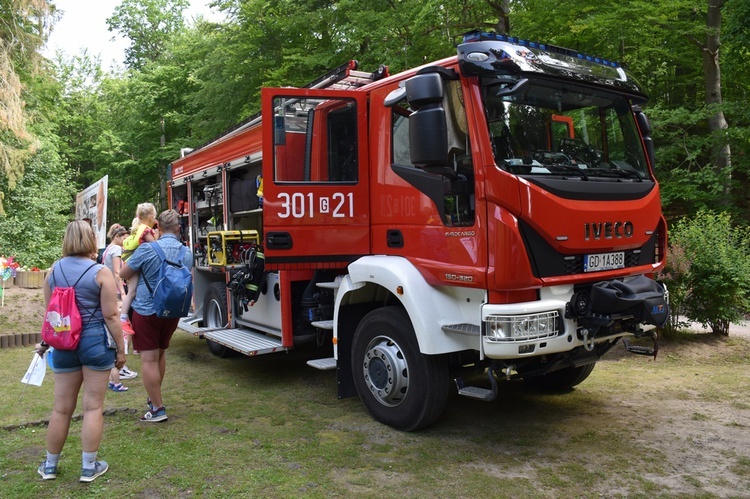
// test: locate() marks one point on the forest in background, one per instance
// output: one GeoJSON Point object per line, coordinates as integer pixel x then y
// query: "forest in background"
{"type": "Point", "coordinates": [65, 123]}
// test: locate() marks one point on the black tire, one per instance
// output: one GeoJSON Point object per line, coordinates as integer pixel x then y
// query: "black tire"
{"type": "Point", "coordinates": [397, 384]}
{"type": "Point", "coordinates": [561, 380]}
{"type": "Point", "coordinates": [215, 315]}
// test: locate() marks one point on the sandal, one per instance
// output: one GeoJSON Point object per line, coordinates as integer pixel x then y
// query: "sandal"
{"type": "Point", "coordinates": [118, 387]}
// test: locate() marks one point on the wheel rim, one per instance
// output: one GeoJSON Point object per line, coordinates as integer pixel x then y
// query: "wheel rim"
{"type": "Point", "coordinates": [385, 371]}
{"type": "Point", "coordinates": [213, 315]}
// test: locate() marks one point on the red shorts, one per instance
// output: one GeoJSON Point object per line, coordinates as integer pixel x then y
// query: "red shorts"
{"type": "Point", "coordinates": [152, 332]}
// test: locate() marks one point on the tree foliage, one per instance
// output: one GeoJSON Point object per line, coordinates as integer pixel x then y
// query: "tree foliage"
{"type": "Point", "coordinates": [23, 27]}
{"type": "Point", "coordinates": [149, 25]}
{"type": "Point", "coordinates": [35, 221]}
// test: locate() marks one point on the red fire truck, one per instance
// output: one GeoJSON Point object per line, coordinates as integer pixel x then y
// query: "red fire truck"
{"type": "Point", "coordinates": [493, 213]}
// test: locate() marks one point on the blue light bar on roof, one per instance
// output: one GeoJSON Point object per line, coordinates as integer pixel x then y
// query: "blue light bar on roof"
{"type": "Point", "coordinates": [478, 36]}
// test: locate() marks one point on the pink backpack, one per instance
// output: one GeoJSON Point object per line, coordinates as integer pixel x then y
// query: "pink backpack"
{"type": "Point", "coordinates": [62, 321]}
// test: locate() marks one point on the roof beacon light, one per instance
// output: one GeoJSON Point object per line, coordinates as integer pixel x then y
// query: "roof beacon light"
{"type": "Point", "coordinates": [479, 36]}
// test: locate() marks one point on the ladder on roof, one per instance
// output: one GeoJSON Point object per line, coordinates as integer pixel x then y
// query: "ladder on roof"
{"type": "Point", "coordinates": [347, 76]}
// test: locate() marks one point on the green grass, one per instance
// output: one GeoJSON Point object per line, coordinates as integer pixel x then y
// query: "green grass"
{"type": "Point", "coordinates": [272, 427]}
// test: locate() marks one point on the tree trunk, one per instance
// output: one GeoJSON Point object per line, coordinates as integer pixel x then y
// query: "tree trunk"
{"type": "Point", "coordinates": [502, 9]}
{"type": "Point", "coordinates": [717, 123]}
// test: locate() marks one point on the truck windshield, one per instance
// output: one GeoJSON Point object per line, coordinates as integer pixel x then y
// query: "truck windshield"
{"type": "Point", "coordinates": [542, 127]}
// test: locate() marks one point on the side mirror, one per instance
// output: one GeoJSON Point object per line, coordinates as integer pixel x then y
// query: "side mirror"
{"type": "Point", "coordinates": [644, 125]}
{"type": "Point", "coordinates": [428, 131]}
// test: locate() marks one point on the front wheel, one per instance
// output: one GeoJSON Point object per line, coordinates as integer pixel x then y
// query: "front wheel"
{"type": "Point", "coordinates": [398, 385]}
{"type": "Point", "coordinates": [561, 380]}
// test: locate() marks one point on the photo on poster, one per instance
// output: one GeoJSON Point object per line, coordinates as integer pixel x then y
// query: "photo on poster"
{"type": "Point", "coordinates": [91, 205]}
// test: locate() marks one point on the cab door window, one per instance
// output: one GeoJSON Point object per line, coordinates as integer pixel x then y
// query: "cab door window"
{"type": "Point", "coordinates": [315, 140]}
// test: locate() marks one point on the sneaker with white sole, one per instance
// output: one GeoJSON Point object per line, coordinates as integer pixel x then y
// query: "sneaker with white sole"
{"type": "Point", "coordinates": [89, 475]}
{"type": "Point", "coordinates": [47, 472]}
{"type": "Point", "coordinates": [117, 387]}
{"type": "Point", "coordinates": [155, 415]}
{"type": "Point", "coordinates": [126, 373]}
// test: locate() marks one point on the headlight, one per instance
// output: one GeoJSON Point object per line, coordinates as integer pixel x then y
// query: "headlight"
{"type": "Point", "coordinates": [522, 327]}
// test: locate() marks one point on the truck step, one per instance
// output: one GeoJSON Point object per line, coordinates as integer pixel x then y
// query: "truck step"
{"type": "Point", "coordinates": [245, 341]}
{"type": "Point", "coordinates": [189, 325]}
{"type": "Point", "coordinates": [465, 329]}
{"type": "Point", "coordinates": [475, 392]}
{"type": "Point", "coordinates": [323, 364]}
{"type": "Point", "coordinates": [323, 325]}
{"type": "Point", "coordinates": [640, 349]}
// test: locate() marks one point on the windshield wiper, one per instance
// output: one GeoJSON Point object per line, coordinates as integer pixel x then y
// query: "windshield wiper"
{"type": "Point", "coordinates": [619, 173]}
{"type": "Point", "coordinates": [567, 168]}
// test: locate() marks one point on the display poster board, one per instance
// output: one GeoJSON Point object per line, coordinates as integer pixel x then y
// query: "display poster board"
{"type": "Point", "coordinates": [91, 204]}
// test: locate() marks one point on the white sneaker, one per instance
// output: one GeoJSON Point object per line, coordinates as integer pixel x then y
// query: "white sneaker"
{"type": "Point", "coordinates": [126, 373]}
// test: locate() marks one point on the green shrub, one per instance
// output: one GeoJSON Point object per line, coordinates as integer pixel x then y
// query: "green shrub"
{"type": "Point", "coordinates": [675, 276]}
{"type": "Point", "coordinates": [709, 277]}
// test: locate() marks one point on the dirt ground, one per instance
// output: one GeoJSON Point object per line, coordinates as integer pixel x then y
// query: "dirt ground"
{"type": "Point", "coordinates": [22, 310]}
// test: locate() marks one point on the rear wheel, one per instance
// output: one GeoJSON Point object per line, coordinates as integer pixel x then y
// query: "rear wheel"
{"type": "Point", "coordinates": [398, 385]}
{"type": "Point", "coordinates": [563, 379]}
{"type": "Point", "coordinates": [215, 315]}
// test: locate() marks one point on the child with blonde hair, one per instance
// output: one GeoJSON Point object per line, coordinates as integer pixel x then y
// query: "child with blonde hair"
{"type": "Point", "coordinates": [112, 259]}
{"type": "Point", "coordinates": [141, 232]}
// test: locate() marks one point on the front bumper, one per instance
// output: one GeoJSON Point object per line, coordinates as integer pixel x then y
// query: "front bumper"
{"type": "Point", "coordinates": [567, 317]}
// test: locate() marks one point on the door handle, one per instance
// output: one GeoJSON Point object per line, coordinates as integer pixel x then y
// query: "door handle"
{"type": "Point", "coordinates": [394, 238]}
{"type": "Point", "coordinates": [279, 240]}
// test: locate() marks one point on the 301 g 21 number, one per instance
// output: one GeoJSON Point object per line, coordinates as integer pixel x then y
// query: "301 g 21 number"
{"type": "Point", "coordinates": [300, 205]}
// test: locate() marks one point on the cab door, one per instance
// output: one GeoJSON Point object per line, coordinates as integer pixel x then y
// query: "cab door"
{"type": "Point", "coordinates": [315, 177]}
